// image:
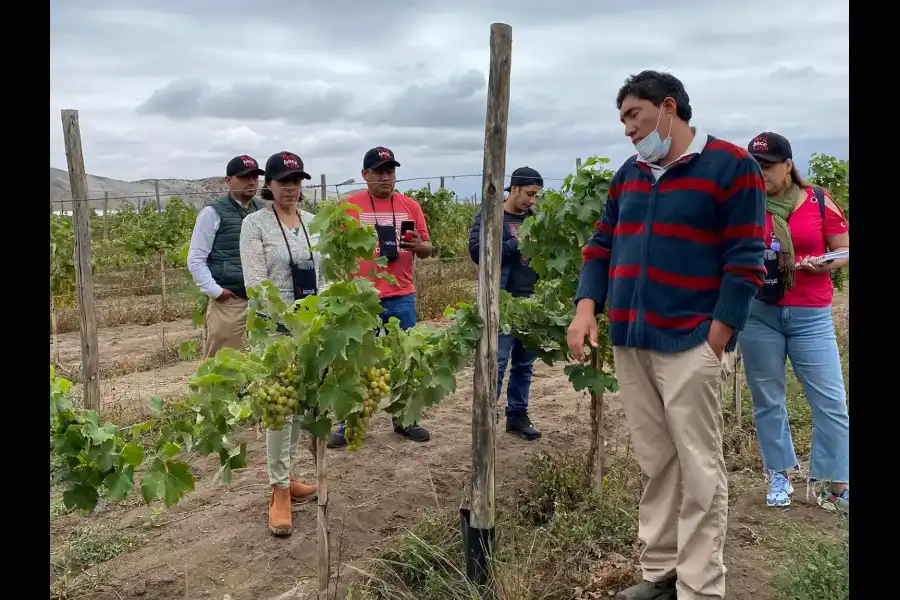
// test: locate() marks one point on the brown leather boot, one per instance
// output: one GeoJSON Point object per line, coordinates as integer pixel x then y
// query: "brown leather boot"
{"type": "Point", "coordinates": [280, 511]}
{"type": "Point", "coordinates": [301, 492]}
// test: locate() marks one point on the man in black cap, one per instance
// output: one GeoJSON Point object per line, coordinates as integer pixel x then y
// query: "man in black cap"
{"type": "Point", "coordinates": [385, 209]}
{"type": "Point", "coordinates": [517, 278]}
{"type": "Point", "coordinates": [214, 257]}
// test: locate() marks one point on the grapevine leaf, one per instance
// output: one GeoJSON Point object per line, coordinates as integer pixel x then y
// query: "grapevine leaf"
{"type": "Point", "coordinates": [445, 379]}
{"type": "Point", "coordinates": [140, 428]}
{"type": "Point", "coordinates": [92, 430]}
{"type": "Point", "coordinates": [102, 455]}
{"type": "Point", "coordinates": [239, 411]}
{"type": "Point", "coordinates": [156, 406]}
{"type": "Point", "coordinates": [131, 455]}
{"type": "Point", "coordinates": [586, 377]}
{"type": "Point", "coordinates": [235, 459]}
{"type": "Point", "coordinates": [170, 450]}
{"type": "Point", "coordinates": [339, 397]}
{"type": "Point", "coordinates": [209, 443]}
{"type": "Point", "coordinates": [120, 483]}
{"type": "Point", "coordinates": [209, 379]}
{"type": "Point", "coordinates": [168, 480]}
{"type": "Point", "coordinates": [317, 427]}
{"type": "Point", "coordinates": [83, 496]}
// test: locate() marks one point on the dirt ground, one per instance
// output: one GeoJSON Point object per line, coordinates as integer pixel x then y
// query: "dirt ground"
{"type": "Point", "coordinates": [123, 344]}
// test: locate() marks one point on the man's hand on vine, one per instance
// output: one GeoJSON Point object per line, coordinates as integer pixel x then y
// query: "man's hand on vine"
{"type": "Point", "coordinates": [584, 325]}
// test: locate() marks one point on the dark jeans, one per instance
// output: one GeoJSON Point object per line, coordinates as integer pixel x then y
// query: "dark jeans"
{"type": "Point", "coordinates": [519, 374]}
{"type": "Point", "coordinates": [402, 307]}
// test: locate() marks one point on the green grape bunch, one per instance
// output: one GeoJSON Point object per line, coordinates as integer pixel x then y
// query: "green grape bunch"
{"type": "Point", "coordinates": [378, 386]}
{"type": "Point", "coordinates": [278, 398]}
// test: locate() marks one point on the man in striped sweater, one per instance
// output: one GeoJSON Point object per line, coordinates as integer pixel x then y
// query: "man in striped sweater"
{"type": "Point", "coordinates": [676, 258]}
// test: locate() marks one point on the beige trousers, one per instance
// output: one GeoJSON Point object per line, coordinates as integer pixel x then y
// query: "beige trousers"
{"type": "Point", "coordinates": [281, 451]}
{"type": "Point", "coordinates": [671, 406]}
{"type": "Point", "coordinates": [226, 325]}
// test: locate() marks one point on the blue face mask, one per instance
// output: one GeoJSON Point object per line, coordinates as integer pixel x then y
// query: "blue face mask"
{"type": "Point", "coordinates": [652, 148]}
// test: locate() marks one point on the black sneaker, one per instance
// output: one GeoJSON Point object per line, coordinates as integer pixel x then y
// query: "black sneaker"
{"type": "Point", "coordinates": [337, 439]}
{"type": "Point", "coordinates": [520, 425]}
{"type": "Point", "coordinates": [414, 432]}
{"type": "Point", "coordinates": [647, 590]}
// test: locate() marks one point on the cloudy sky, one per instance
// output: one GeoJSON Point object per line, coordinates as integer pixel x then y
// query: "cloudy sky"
{"type": "Point", "coordinates": [173, 89]}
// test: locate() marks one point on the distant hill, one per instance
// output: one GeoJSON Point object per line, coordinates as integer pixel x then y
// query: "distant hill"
{"type": "Point", "coordinates": [193, 191]}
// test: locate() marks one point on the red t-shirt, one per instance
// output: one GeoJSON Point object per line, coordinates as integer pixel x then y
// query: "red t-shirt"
{"type": "Point", "coordinates": [404, 209]}
{"type": "Point", "coordinates": [812, 290]}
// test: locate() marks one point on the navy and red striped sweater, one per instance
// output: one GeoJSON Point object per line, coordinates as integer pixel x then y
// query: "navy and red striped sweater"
{"type": "Point", "coordinates": [669, 256]}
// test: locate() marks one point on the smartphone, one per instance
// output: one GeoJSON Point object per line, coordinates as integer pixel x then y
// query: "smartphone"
{"type": "Point", "coordinates": [404, 227]}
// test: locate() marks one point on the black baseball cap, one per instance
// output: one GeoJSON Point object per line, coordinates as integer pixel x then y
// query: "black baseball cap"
{"type": "Point", "coordinates": [379, 157]}
{"type": "Point", "coordinates": [770, 147]}
{"type": "Point", "coordinates": [241, 166]}
{"type": "Point", "coordinates": [525, 176]}
{"type": "Point", "coordinates": [285, 164]}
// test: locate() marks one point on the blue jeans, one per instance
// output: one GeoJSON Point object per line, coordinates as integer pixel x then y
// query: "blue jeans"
{"type": "Point", "coordinates": [519, 374]}
{"type": "Point", "coordinates": [806, 335]}
{"type": "Point", "coordinates": [402, 307]}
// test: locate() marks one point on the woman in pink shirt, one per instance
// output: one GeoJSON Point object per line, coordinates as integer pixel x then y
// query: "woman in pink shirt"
{"type": "Point", "coordinates": [791, 317]}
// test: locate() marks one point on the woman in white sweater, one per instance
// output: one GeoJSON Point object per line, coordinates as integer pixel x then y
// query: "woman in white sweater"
{"type": "Point", "coordinates": [276, 246]}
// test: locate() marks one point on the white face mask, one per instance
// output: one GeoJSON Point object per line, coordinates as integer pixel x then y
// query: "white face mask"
{"type": "Point", "coordinates": [652, 148]}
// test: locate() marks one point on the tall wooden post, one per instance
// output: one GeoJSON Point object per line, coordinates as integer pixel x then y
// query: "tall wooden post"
{"type": "Point", "coordinates": [84, 283]}
{"type": "Point", "coordinates": [105, 215]}
{"type": "Point", "coordinates": [324, 192]}
{"type": "Point", "coordinates": [442, 182]}
{"type": "Point", "coordinates": [479, 517]}
{"type": "Point", "coordinates": [158, 201]}
{"type": "Point", "coordinates": [596, 457]}
{"type": "Point", "coordinates": [323, 539]}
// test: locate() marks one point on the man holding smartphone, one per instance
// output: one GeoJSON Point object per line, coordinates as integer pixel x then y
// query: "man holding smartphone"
{"type": "Point", "coordinates": [402, 234]}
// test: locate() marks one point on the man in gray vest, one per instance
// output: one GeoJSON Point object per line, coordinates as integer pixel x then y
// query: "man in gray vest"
{"type": "Point", "coordinates": [214, 257]}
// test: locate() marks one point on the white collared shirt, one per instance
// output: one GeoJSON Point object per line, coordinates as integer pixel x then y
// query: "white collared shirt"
{"type": "Point", "coordinates": [695, 147]}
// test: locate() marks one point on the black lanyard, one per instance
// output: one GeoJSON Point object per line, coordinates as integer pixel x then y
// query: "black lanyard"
{"type": "Point", "coordinates": [284, 235]}
{"type": "Point", "coordinates": [374, 212]}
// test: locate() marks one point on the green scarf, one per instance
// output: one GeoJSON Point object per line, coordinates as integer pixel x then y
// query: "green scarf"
{"type": "Point", "coordinates": [781, 207]}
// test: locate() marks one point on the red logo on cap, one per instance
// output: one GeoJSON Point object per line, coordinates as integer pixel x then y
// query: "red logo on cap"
{"type": "Point", "coordinates": [760, 144]}
{"type": "Point", "coordinates": [384, 153]}
{"type": "Point", "coordinates": [290, 161]}
{"type": "Point", "coordinates": [248, 162]}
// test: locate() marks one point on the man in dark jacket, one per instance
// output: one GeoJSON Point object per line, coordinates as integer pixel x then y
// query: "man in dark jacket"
{"type": "Point", "coordinates": [214, 258]}
{"type": "Point", "coordinates": [517, 278]}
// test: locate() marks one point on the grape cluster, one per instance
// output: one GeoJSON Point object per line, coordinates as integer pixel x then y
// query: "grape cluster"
{"type": "Point", "coordinates": [377, 387]}
{"type": "Point", "coordinates": [278, 398]}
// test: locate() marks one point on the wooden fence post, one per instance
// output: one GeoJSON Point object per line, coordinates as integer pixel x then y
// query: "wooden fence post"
{"type": "Point", "coordinates": [84, 283]}
{"type": "Point", "coordinates": [324, 192]}
{"type": "Point", "coordinates": [596, 458]}
{"type": "Point", "coordinates": [158, 201]}
{"type": "Point", "coordinates": [478, 516]}
{"type": "Point", "coordinates": [323, 540]}
{"type": "Point", "coordinates": [442, 182]}
{"type": "Point", "coordinates": [105, 213]}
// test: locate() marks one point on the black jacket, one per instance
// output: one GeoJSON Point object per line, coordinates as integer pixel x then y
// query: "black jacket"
{"type": "Point", "coordinates": [516, 277]}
